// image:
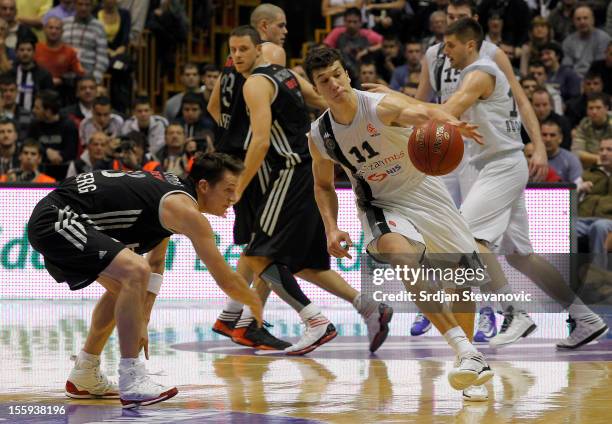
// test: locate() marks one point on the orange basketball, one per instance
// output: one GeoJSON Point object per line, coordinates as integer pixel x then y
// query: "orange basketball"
{"type": "Point", "coordinates": [435, 148]}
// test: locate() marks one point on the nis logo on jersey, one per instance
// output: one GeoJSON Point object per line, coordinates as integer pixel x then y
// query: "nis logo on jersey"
{"type": "Point", "coordinates": [379, 174]}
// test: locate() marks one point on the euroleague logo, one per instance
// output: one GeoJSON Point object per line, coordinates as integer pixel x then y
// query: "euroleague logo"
{"type": "Point", "coordinates": [372, 130]}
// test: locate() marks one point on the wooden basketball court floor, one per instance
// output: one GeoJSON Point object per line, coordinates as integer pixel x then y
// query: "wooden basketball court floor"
{"type": "Point", "coordinates": [338, 383]}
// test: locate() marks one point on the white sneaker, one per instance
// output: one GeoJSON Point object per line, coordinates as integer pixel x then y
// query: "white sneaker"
{"type": "Point", "coordinates": [586, 330]}
{"type": "Point", "coordinates": [470, 369]}
{"type": "Point", "coordinates": [516, 324]}
{"type": "Point", "coordinates": [378, 325]}
{"type": "Point", "coordinates": [137, 388]}
{"type": "Point", "coordinates": [318, 331]}
{"type": "Point", "coordinates": [86, 381]}
{"type": "Point", "coordinates": [476, 394]}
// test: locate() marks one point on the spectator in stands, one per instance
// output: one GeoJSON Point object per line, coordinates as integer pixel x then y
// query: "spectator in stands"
{"type": "Point", "coordinates": [16, 29]}
{"type": "Point", "coordinates": [58, 58]}
{"type": "Point", "coordinates": [576, 108]}
{"type": "Point", "coordinates": [368, 74]}
{"type": "Point", "coordinates": [152, 127]}
{"type": "Point", "coordinates": [170, 27]}
{"type": "Point", "coordinates": [86, 88]}
{"type": "Point", "coordinates": [437, 26]}
{"type": "Point", "coordinates": [586, 44]}
{"type": "Point", "coordinates": [562, 77]}
{"type": "Point", "coordinates": [495, 26]}
{"type": "Point", "coordinates": [353, 41]}
{"type": "Point", "coordinates": [138, 11]}
{"type": "Point", "coordinates": [538, 70]}
{"type": "Point", "coordinates": [63, 10]}
{"type": "Point", "coordinates": [566, 164]}
{"type": "Point", "coordinates": [31, 12]}
{"type": "Point", "coordinates": [191, 80]}
{"type": "Point", "coordinates": [384, 16]}
{"type": "Point", "coordinates": [210, 74]}
{"type": "Point", "coordinates": [539, 35]}
{"type": "Point", "coordinates": [336, 9]}
{"type": "Point", "coordinates": [30, 157]}
{"type": "Point", "coordinates": [561, 19]}
{"type": "Point", "coordinates": [31, 78]}
{"type": "Point", "coordinates": [93, 158]}
{"type": "Point", "coordinates": [133, 155]}
{"type": "Point", "coordinates": [10, 108]}
{"type": "Point", "coordinates": [9, 157]}
{"type": "Point", "coordinates": [117, 24]}
{"type": "Point", "coordinates": [541, 100]}
{"type": "Point", "coordinates": [86, 34]}
{"type": "Point", "coordinates": [592, 129]}
{"type": "Point", "coordinates": [423, 11]}
{"type": "Point", "coordinates": [529, 85]}
{"type": "Point", "coordinates": [195, 124]}
{"type": "Point", "coordinates": [7, 55]}
{"type": "Point", "coordinates": [57, 134]}
{"type": "Point", "coordinates": [604, 68]}
{"type": "Point", "coordinates": [102, 119]}
{"type": "Point", "coordinates": [388, 58]}
{"type": "Point", "coordinates": [595, 208]}
{"type": "Point", "coordinates": [413, 52]}
{"type": "Point", "coordinates": [173, 156]}
{"type": "Point", "coordinates": [515, 15]}
{"type": "Point", "coordinates": [551, 176]}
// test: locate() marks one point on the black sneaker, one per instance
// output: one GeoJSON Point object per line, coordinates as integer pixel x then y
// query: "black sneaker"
{"type": "Point", "coordinates": [262, 339]}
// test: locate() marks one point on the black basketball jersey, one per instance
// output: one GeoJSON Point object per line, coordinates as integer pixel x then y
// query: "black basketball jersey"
{"type": "Point", "coordinates": [234, 124]}
{"type": "Point", "coordinates": [290, 121]}
{"type": "Point", "coordinates": [123, 205]}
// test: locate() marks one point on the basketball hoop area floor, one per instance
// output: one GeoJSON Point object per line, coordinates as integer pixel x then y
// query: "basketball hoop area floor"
{"type": "Point", "coordinates": [405, 382]}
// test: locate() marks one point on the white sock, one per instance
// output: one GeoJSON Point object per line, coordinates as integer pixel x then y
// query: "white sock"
{"type": "Point", "coordinates": [457, 339]}
{"type": "Point", "coordinates": [309, 311]}
{"type": "Point", "coordinates": [84, 356]}
{"type": "Point", "coordinates": [233, 306]}
{"type": "Point", "coordinates": [364, 306]}
{"type": "Point", "coordinates": [246, 318]}
{"type": "Point", "coordinates": [579, 310]}
{"type": "Point", "coordinates": [128, 362]}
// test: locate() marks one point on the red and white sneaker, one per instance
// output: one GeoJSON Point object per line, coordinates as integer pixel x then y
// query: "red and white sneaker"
{"type": "Point", "coordinates": [86, 381]}
{"type": "Point", "coordinates": [137, 389]}
{"type": "Point", "coordinates": [318, 332]}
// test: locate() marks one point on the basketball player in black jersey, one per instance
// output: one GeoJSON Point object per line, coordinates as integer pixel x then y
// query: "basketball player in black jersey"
{"type": "Point", "coordinates": [85, 230]}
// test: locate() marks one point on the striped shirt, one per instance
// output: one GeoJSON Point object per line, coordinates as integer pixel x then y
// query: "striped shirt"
{"type": "Point", "coordinates": [89, 40]}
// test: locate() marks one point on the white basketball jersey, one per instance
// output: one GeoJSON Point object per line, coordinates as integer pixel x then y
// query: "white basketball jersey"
{"type": "Point", "coordinates": [445, 81]}
{"type": "Point", "coordinates": [497, 116]}
{"type": "Point", "coordinates": [373, 155]}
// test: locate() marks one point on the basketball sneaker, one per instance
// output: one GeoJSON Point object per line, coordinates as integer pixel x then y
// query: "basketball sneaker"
{"type": "Point", "coordinates": [378, 325]}
{"type": "Point", "coordinates": [582, 331]}
{"type": "Point", "coordinates": [487, 326]}
{"type": "Point", "coordinates": [318, 331]}
{"type": "Point", "coordinates": [87, 381]}
{"type": "Point", "coordinates": [225, 323]}
{"type": "Point", "coordinates": [137, 389]}
{"type": "Point", "coordinates": [476, 393]}
{"type": "Point", "coordinates": [516, 324]}
{"type": "Point", "coordinates": [259, 338]}
{"type": "Point", "coordinates": [420, 326]}
{"type": "Point", "coordinates": [471, 369]}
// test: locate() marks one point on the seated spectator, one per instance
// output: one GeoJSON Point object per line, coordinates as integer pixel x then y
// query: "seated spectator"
{"type": "Point", "coordinates": [515, 15]}
{"type": "Point", "coordinates": [143, 121]}
{"type": "Point", "coordinates": [9, 107]}
{"type": "Point", "coordinates": [562, 78]}
{"type": "Point", "coordinates": [529, 85]}
{"type": "Point", "coordinates": [56, 134]}
{"type": "Point", "coordinates": [565, 163]}
{"type": "Point", "coordinates": [587, 44]}
{"type": "Point", "coordinates": [539, 35]}
{"type": "Point", "coordinates": [93, 158]}
{"type": "Point", "coordinates": [495, 25]}
{"type": "Point", "coordinates": [575, 109]}
{"type": "Point", "coordinates": [541, 101]}
{"type": "Point", "coordinates": [9, 157]}
{"type": "Point", "coordinates": [336, 9]}
{"type": "Point", "coordinates": [86, 34]}
{"type": "Point", "coordinates": [604, 68]}
{"type": "Point", "coordinates": [58, 58]}
{"type": "Point", "coordinates": [388, 58]}
{"type": "Point", "coordinates": [384, 16]}
{"type": "Point", "coordinates": [173, 156]}
{"type": "Point", "coordinates": [16, 29]}
{"type": "Point", "coordinates": [437, 27]}
{"type": "Point", "coordinates": [560, 19]}
{"type": "Point", "coordinates": [368, 74]}
{"type": "Point", "coordinates": [595, 209]}
{"type": "Point", "coordinates": [210, 75]}
{"type": "Point", "coordinates": [86, 93]}
{"type": "Point", "coordinates": [63, 10]}
{"type": "Point", "coordinates": [101, 119]}
{"type": "Point", "coordinates": [413, 53]}
{"type": "Point", "coordinates": [133, 156]}
{"type": "Point", "coordinates": [592, 129]}
{"type": "Point", "coordinates": [30, 157]}
{"type": "Point", "coordinates": [31, 78]}
{"type": "Point", "coordinates": [551, 176]}
{"type": "Point", "coordinates": [117, 24]}
{"type": "Point", "coordinates": [191, 81]}
{"type": "Point", "coordinates": [538, 70]}
{"type": "Point", "coordinates": [196, 126]}
{"type": "Point", "coordinates": [7, 55]}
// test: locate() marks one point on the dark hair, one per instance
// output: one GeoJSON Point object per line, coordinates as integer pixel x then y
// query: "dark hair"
{"type": "Point", "coordinates": [141, 100]}
{"type": "Point", "coordinates": [190, 65]}
{"type": "Point", "coordinates": [536, 64]}
{"type": "Point", "coordinates": [30, 142]}
{"type": "Point", "coordinates": [211, 166]}
{"type": "Point", "coordinates": [469, 3]}
{"type": "Point", "coordinates": [8, 121]}
{"type": "Point", "coordinates": [321, 57]}
{"type": "Point", "coordinates": [540, 90]}
{"type": "Point", "coordinates": [8, 78]}
{"type": "Point", "coordinates": [247, 31]}
{"type": "Point", "coordinates": [605, 99]}
{"type": "Point", "coordinates": [25, 40]}
{"type": "Point", "coordinates": [102, 101]}
{"type": "Point", "coordinates": [136, 138]}
{"type": "Point", "coordinates": [86, 78]}
{"type": "Point", "coordinates": [210, 67]}
{"type": "Point", "coordinates": [50, 100]}
{"type": "Point", "coordinates": [466, 29]}
{"type": "Point", "coordinates": [590, 75]}
{"type": "Point", "coordinates": [529, 77]}
{"type": "Point", "coordinates": [550, 123]}
{"type": "Point", "coordinates": [192, 99]}
{"type": "Point", "coordinates": [554, 46]}
{"type": "Point", "coordinates": [352, 11]}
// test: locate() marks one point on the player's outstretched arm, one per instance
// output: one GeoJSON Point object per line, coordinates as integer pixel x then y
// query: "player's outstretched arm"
{"type": "Point", "coordinates": [214, 103]}
{"type": "Point", "coordinates": [327, 202]}
{"type": "Point", "coordinates": [180, 214]}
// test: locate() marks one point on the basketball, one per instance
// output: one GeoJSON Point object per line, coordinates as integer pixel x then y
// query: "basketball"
{"type": "Point", "coordinates": [435, 148]}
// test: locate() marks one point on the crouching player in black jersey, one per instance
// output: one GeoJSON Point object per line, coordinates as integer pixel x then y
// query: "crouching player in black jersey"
{"type": "Point", "coordinates": [85, 230]}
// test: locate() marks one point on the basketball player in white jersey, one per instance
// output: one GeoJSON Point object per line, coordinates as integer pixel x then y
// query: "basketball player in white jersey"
{"type": "Point", "coordinates": [494, 206]}
{"type": "Point", "coordinates": [403, 212]}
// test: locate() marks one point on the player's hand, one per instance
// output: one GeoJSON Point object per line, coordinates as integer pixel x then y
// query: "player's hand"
{"type": "Point", "coordinates": [470, 131]}
{"type": "Point", "coordinates": [144, 340]}
{"type": "Point", "coordinates": [377, 88]}
{"type": "Point", "coordinates": [538, 165]}
{"type": "Point", "coordinates": [338, 244]}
